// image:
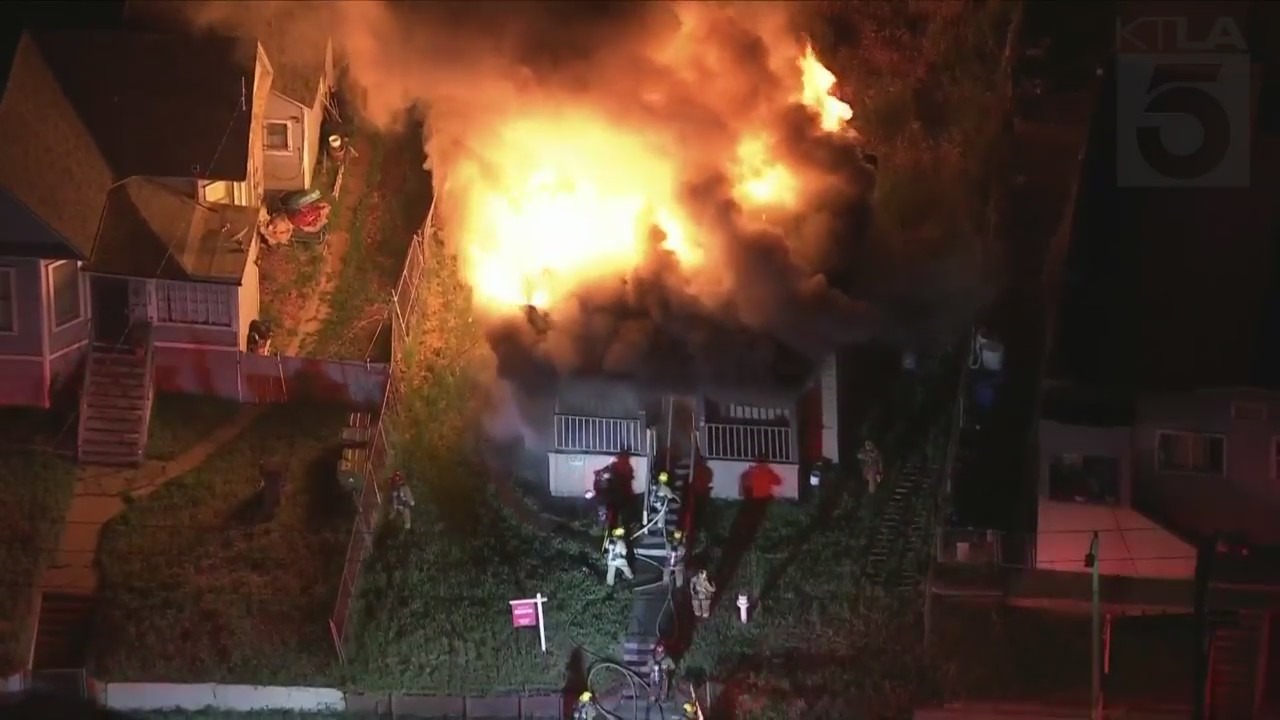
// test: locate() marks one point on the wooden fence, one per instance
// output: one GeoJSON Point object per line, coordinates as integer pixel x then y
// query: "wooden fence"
{"type": "Point", "coordinates": [251, 378]}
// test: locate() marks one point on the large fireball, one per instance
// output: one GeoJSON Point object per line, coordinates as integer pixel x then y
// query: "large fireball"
{"type": "Point", "coordinates": [562, 197]}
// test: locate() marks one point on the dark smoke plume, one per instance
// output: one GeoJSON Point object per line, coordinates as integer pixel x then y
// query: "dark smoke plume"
{"type": "Point", "coordinates": [777, 296]}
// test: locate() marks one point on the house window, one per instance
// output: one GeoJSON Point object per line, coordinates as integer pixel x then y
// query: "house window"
{"type": "Point", "coordinates": [217, 192]}
{"type": "Point", "coordinates": [1093, 479]}
{"type": "Point", "coordinates": [64, 278]}
{"type": "Point", "coordinates": [1187, 452]}
{"type": "Point", "coordinates": [193, 304]}
{"type": "Point", "coordinates": [8, 311]}
{"type": "Point", "coordinates": [277, 136]}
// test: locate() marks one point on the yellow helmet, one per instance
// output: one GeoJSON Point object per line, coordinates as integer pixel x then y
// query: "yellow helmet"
{"type": "Point", "coordinates": [618, 532]}
{"type": "Point", "coordinates": [690, 708]}
{"type": "Point", "coordinates": [585, 696]}
{"type": "Point", "coordinates": [676, 535]}
{"type": "Point", "coordinates": [663, 477]}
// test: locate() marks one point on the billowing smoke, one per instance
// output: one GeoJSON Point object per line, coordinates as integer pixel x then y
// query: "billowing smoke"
{"type": "Point", "coordinates": [651, 102]}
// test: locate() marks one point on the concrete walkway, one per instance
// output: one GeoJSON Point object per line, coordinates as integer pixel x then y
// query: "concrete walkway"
{"type": "Point", "coordinates": [100, 494]}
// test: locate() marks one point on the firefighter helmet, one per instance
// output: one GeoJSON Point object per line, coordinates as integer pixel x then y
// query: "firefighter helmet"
{"type": "Point", "coordinates": [677, 535]}
{"type": "Point", "coordinates": [663, 477]}
{"type": "Point", "coordinates": [618, 532]}
{"type": "Point", "coordinates": [690, 710]}
{"type": "Point", "coordinates": [585, 696]}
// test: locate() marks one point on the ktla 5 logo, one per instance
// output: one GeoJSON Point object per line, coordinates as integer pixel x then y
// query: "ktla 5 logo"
{"type": "Point", "coordinates": [1182, 104]}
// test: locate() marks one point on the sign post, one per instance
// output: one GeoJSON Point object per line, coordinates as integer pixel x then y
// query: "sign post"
{"type": "Point", "coordinates": [527, 613]}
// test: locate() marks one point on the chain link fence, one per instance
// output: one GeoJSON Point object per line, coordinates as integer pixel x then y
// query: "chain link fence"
{"type": "Point", "coordinates": [378, 459]}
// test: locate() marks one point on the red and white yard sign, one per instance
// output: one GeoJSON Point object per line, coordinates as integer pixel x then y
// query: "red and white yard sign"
{"type": "Point", "coordinates": [528, 613]}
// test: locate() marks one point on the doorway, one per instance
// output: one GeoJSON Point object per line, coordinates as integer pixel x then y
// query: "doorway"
{"type": "Point", "coordinates": [110, 309]}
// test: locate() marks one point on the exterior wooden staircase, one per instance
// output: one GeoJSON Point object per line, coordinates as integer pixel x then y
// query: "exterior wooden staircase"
{"type": "Point", "coordinates": [115, 405]}
{"type": "Point", "coordinates": [1233, 667]}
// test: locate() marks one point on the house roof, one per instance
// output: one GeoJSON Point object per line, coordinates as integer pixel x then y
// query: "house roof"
{"type": "Point", "coordinates": [159, 105]}
{"type": "Point", "coordinates": [84, 109]}
{"type": "Point", "coordinates": [295, 36]}
{"type": "Point", "coordinates": [50, 165]}
{"type": "Point", "coordinates": [152, 229]}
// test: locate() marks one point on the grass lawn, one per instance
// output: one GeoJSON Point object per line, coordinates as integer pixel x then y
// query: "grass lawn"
{"type": "Point", "coordinates": [193, 590]}
{"type": "Point", "coordinates": [386, 215]}
{"type": "Point", "coordinates": [433, 611]}
{"type": "Point", "coordinates": [179, 422]}
{"type": "Point", "coordinates": [825, 629]}
{"type": "Point", "coordinates": [35, 490]}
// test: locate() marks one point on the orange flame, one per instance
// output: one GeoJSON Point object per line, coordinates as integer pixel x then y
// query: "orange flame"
{"type": "Point", "coordinates": [565, 199]}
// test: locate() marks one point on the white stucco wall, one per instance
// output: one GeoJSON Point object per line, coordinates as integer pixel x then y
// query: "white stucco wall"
{"type": "Point", "coordinates": [726, 479]}
{"type": "Point", "coordinates": [571, 475]}
{"type": "Point", "coordinates": [1129, 544]}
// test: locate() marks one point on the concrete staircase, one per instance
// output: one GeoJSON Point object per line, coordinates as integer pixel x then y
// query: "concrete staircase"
{"type": "Point", "coordinates": [115, 406]}
{"type": "Point", "coordinates": [62, 631]}
{"type": "Point", "coordinates": [1233, 668]}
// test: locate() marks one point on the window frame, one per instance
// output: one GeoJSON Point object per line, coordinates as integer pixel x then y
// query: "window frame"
{"type": "Point", "coordinates": [1221, 473]}
{"type": "Point", "coordinates": [162, 307]}
{"type": "Point", "coordinates": [12, 274]}
{"type": "Point", "coordinates": [289, 147]}
{"type": "Point", "coordinates": [53, 295]}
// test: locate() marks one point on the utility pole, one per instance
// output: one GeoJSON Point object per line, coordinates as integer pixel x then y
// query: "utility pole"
{"type": "Point", "coordinates": [1091, 562]}
{"type": "Point", "coordinates": [1204, 569]}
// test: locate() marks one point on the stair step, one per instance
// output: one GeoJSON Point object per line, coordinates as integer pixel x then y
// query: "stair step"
{"type": "Point", "coordinates": [115, 402]}
{"type": "Point", "coordinates": [114, 389]}
{"type": "Point", "coordinates": [94, 437]}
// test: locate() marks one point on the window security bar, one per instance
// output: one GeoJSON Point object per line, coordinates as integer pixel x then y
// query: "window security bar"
{"type": "Point", "coordinates": [585, 434]}
{"type": "Point", "coordinates": [748, 442]}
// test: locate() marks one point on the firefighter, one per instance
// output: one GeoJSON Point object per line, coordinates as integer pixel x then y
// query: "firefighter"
{"type": "Point", "coordinates": [661, 668]}
{"type": "Point", "coordinates": [401, 500]}
{"type": "Point", "coordinates": [661, 498]}
{"type": "Point", "coordinates": [615, 556]}
{"type": "Point", "coordinates": [676, 554]}
{"type": "Point", "coordinates": [585, 709]}
{"type": "Point", "coordinates": [872, 466]}
{"type": "Point", "coordinates": [703, 590]}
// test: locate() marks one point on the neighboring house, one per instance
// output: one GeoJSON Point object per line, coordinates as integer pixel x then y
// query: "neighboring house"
{"type": "Point", "coordinates": [295, 38]}
{"type": "Point", "coordinates": [737, 439]}
{"type": "Point", "coordinates": [135, 160]}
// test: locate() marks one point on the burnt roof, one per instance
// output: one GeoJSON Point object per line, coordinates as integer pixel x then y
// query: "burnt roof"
{"type": "Point", "coordinates": [294, 35]}
{"type": "Point", "coordinates": [83, 109]}
{"type": "Point", "coordinates": [159, 105]}
{"type": "Point", "coordinates": [152, 229]}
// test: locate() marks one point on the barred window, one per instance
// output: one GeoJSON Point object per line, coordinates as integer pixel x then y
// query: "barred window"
{"type": "Point", "coordinates": [193, 304]}
{"type": "Point", "coordinates": [581, 433]}
{"type": "Point", "coordinates": [748, 442]}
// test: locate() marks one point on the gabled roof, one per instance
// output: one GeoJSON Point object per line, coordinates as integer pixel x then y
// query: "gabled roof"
{"type": "Point", "coordinates": [159, 105]}
{"type": "Point", "coordinates": [84, 109]}
{"type": "Point", "coordinates": [295, 35]}
{"type": "Point", "coordinates": [152, 229]}
{"type": "Point", "coordinates": [50, 165]}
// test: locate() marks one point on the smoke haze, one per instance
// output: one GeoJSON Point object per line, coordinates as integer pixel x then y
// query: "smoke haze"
{"type": "Point", "coordinates": [774, 295]}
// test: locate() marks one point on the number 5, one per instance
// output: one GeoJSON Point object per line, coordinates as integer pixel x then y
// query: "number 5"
{"type": "Point", "coordinates": [1187, 98]}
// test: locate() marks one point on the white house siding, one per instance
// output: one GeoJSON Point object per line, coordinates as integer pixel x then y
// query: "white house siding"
{"type": "Point", "coordinates": [726, 479]}
{"type": "Point", "coordinates": [248, 303]}
{"type": "Point", "coordinates": [287, 170]}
